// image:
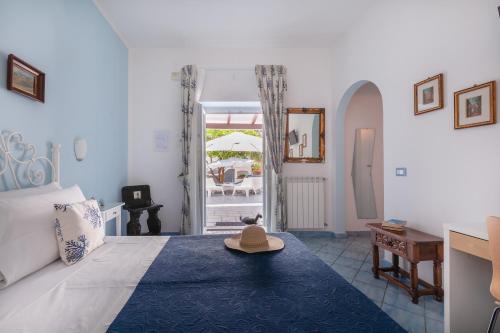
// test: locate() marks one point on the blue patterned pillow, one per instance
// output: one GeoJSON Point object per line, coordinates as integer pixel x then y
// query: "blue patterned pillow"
{"type": "Point", "coordinates": [79, 229]}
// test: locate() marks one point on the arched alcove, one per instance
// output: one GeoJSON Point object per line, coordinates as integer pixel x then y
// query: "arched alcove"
{"type": "Point", "coordinates": [340, 158]}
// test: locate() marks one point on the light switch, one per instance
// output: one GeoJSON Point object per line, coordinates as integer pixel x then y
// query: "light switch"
{"type": "Point", "coordinates": [401, 172]}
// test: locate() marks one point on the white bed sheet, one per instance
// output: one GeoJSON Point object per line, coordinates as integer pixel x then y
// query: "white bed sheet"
{"type": "Point", "coordinates": [85, 297]}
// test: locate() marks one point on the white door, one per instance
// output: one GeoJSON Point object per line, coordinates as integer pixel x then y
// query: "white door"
{"type": "Point", "coordinates": [362, 181]}
{"type": "Point", "coordinates": [197, 171]}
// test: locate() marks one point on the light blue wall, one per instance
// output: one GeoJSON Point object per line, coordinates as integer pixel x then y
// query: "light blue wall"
{"type": "Point", "coordinates": [86, 68]}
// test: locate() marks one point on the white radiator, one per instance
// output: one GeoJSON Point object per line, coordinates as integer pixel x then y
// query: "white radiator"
{"type": "Point", "coordinates": [305, 202]}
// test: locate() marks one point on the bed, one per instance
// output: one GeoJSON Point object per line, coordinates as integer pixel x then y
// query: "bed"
{"type": "Point", "coordinates": [189, 284]}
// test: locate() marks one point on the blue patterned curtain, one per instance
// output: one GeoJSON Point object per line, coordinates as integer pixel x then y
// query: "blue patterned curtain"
{"type": "Point", "coordinates": [189, 76]}
{"type": "Point", "coordinates": [271, 81]}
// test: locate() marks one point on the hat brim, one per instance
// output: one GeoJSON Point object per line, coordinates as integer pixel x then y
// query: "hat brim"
{"type": "Point", "coordinates": [274, 244]}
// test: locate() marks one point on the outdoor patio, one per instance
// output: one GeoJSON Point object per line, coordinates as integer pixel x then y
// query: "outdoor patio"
{"type": "Point", "coordinates": [237, 199]}
{"type": "Point", "coordinates": [223, 212]}
{"type": "Point", "coordinates": [233, 185]}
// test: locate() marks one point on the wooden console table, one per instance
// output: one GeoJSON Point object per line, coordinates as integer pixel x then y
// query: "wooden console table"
{"type": "Point", "coordinates": [414, 246]}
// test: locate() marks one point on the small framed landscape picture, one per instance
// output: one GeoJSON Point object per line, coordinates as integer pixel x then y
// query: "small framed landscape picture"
{"type": "Point", "coordinates": [25, 79]}
{"type": "Point", "coordinates": [428, 94]}
{"type": "Point", "coordinates": [475, 106]}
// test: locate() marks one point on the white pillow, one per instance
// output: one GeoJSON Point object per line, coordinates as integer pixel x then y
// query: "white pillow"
{"type": "Point", "coordinates": [30, 191]}
{"type": "Point", "coordinates": [27, 239]}
{"type": "Point", "coordinates": [79, 229]}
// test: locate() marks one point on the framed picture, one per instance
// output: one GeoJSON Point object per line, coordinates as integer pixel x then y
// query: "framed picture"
{"type": "Point", "coordinates": [305, 135]}
{"type": "Point", "coordinates": [25, 79]}
{"type": "Point", "coordinates": [475, 106]}
{"type": "Point", "coordinates": [428, 95]}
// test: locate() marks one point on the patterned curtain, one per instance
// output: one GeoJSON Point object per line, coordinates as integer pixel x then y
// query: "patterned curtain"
{"type": "Point", "coordinates": [271, 81]}
{"type": "Point", "coordinates": [189, 76]}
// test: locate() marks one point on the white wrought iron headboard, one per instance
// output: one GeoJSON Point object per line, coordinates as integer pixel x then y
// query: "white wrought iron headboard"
{"type": "Point", "coordinates": [21, 161]}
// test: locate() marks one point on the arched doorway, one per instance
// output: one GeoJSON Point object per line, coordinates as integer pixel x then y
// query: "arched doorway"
{"type": "Point", "coordinates": [360, 109]}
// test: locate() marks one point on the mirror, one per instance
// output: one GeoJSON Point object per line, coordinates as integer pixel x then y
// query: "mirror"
{"type": "Point", "coordinates": [364, 193]}
{"type": "Point", "coordinates": [305, 135]}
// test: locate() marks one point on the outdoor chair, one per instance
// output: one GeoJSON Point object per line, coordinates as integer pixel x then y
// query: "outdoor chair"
{"type": "Point", "coordinates": [246, 185]}
{"type": "Point", "coordinates": [212, 187]}
{"type": "Point", "coordinates": [229, 176]}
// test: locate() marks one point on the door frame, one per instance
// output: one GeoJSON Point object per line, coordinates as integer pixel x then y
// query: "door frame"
{"type": "Point", "coordinates": [268, 179]}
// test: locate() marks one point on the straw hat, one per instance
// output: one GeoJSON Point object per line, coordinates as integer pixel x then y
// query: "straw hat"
{"type": "Point", "coordinates": [254, 239]}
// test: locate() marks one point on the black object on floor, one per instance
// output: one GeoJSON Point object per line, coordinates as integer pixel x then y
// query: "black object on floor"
{"type": "Point", "coordinates": [138, 199]}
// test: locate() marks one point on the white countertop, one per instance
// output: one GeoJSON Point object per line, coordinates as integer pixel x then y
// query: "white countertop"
{"type": "Point", "coordinates": [478, 230]}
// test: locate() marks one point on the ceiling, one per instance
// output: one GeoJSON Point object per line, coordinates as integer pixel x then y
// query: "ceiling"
{"type": "Point", "coordinates": [231, 23]}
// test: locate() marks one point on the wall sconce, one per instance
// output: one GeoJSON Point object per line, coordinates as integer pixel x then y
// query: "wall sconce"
{"type": "Point", "coordinates": [80, 147]}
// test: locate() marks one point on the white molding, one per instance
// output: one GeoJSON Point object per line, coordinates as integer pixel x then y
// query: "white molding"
{"type": "Point", "coordinates": [111, 24]}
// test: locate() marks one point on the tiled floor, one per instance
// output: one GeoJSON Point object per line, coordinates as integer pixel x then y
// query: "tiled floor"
{"type": "Point", "coordinates": [351, 258]}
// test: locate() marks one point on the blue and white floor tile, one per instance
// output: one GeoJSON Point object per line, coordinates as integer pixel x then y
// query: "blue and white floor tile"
{"type": "Point", "coordinates": [351, 258]}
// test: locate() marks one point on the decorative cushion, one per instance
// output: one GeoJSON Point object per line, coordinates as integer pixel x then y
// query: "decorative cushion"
{"type": "Point", "coordinates": [79, 229]}
{"type": "Point", "coordinates": [27, 239]}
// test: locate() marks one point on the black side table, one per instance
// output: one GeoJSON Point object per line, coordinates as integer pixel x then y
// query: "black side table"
{"type": "Point", "coordinates": [154, 223]}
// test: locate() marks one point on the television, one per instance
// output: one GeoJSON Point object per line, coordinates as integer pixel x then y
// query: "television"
{"type": "Point", "coordinates": [293, 137]}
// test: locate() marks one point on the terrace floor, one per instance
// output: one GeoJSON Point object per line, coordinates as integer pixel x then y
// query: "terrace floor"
{"type": "Point", "coordinates": [224, 212]}
{"type": "Point", "coordinates": [351, 258]}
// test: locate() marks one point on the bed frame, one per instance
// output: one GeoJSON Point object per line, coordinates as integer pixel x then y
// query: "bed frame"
{"type": "Point", "coordinates": [21, 161]}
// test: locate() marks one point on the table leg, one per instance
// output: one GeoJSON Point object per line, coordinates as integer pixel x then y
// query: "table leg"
{"type": "Point", "coordinates": [395, 265]}
{"type": "Point", "coordinates": [438, 281]}
{"type": "Point", "coordinates": [134, 226]}
{"type": "Point", "coordinates": [414, 283]}
{"type": "Point", "coordinates": [376, 261]}
{"type": "Point", "coordinates": [118, 223]}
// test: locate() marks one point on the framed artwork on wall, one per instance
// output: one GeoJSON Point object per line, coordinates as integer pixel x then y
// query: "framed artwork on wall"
{"type": "Point", "coordinates": [25, 79]}
{"type": "Point", "coordinates": [428, 95]}
{"type": "Point", "coordinates": [476, 106]}
{"type": "Point", "coordinates": [305, 135]}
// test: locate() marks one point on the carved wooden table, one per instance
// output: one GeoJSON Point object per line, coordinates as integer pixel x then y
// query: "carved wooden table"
{"type": "Point", "coordinates": [414, 246]}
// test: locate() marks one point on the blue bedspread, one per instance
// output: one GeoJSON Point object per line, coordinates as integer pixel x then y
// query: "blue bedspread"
{"type": "Point", "coordinates": [196, 285]}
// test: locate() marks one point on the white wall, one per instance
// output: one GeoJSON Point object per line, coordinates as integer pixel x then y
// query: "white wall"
{"type": "Point", "coordinates": [154, 102]}
{"type": "Point", "coordinates": [453, 175]}
{"type": "Point", "coordinates": [364, 111]}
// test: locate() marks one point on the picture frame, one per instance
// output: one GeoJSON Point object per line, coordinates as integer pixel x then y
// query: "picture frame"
{"type": "Point", "coordinates": [428, 95]}
{"type": "Point", "coordinates": [475, 106]}
{"type": "Point", "coordinates": [25, 79]}
{"type": "Point", "coordinates": [305, 135]}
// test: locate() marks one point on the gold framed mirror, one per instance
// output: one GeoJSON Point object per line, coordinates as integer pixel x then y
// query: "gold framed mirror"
{"type": "Point", "coordinates": [305, 135]}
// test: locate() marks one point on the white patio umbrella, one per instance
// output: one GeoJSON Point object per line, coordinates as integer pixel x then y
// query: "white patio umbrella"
{"type": "Point", "coordinates": [232, 162]}
{"type": "Point", "coordinates": [236, 141]}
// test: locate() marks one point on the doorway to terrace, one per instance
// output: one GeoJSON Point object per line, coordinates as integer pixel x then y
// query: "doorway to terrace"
{"type": "Point", "coordinates": [234, 168]}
